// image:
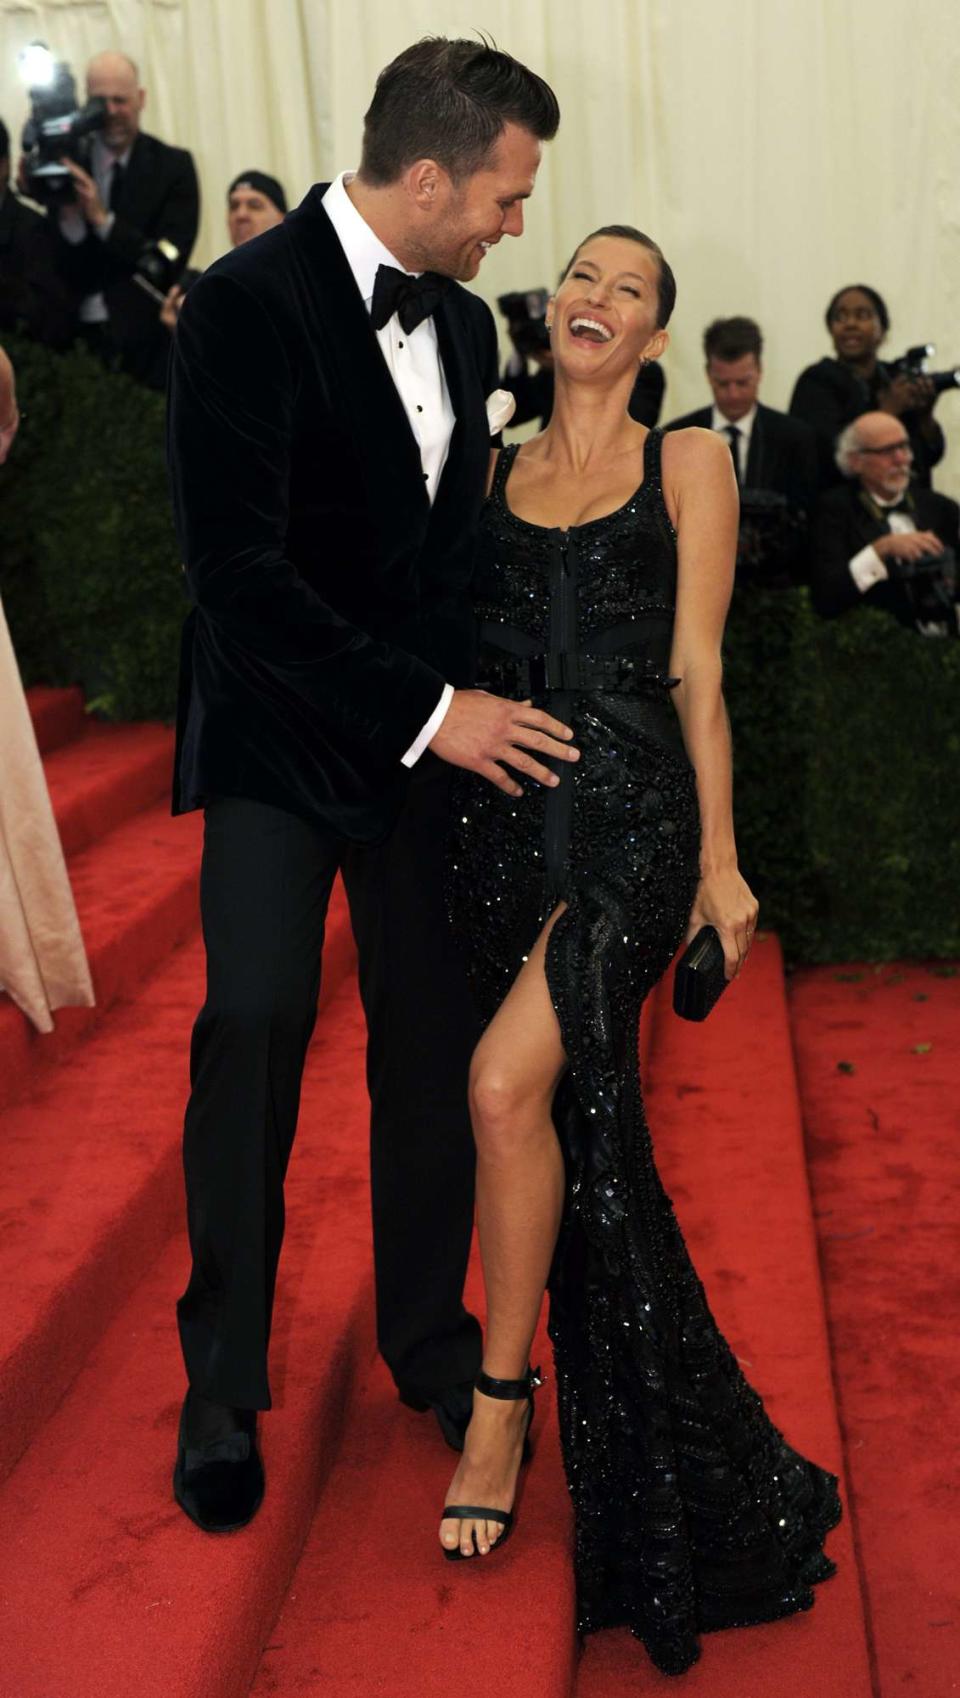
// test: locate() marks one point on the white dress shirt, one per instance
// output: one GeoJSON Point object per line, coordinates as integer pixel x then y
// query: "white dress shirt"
{"type": "Point", "coordinates": [75, 229]}
{"type": "Point", "coordinates": [745, 427]}
{"type": "Point", "coordinates": [866, 566]}
{"type": "Point", "coordinates": [414, 363]}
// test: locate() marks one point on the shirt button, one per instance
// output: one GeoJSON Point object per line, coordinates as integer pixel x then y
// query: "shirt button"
{"type": "Point", "coordinates": [419, 408]}
{"type": "Point", "coordinates": [399, 344]}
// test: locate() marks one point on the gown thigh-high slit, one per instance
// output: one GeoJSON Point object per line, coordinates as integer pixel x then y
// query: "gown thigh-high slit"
{"type": "Point", "coordinates": [691, 1511]}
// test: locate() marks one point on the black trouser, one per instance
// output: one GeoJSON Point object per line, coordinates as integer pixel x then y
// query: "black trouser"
{"type": "Point", "coordinates": [265, 885]}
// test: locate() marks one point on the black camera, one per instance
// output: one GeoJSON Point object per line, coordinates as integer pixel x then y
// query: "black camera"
{"type": "Point", "coordinates": [526, 316]}
{"type": "Point", "coordinates": [914, 364]}
{"type": "Point", "coordinates": [57, 127]}
{"type": "Point", "coordinates": [930, 586]}
{"type": "Point", "coordinates": [158, 267]}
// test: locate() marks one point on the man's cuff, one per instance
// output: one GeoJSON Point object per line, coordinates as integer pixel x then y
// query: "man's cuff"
{"type": "Point", "coordinates": [73, 225]}
{"type": "Point", "coordinates": [867, 569]}
{"type": "Point", "coordinates": [431, 728]}
{"type": "Point", "coordinates": [103, 230]}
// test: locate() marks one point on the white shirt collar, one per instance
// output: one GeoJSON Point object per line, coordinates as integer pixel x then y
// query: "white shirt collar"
{"type": "Point", "coordinates": [362, 246]}
{"type": "Point", "coordinates": [107, 155]}
{"type": "Point", "coordinates": [744, 425]}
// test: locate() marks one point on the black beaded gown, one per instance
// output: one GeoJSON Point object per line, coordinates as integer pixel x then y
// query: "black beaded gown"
{"type": "Point", "coordinates": [691, 1511]}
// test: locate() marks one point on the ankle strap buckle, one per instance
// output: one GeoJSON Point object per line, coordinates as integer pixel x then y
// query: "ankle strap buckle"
{"type": "Point", "coordinates": [510, 1390]}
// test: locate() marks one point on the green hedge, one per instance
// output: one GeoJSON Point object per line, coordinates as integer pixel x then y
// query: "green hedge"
{"type": "Point", "coordinates": [89, 567]}
{"type": "Point", "coordinates": [846, 733]}
{"type": "Point", "coordinates": [846, 744]}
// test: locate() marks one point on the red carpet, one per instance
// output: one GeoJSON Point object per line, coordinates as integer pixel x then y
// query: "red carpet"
{"type": "Point", "coordinates": [879, 1067]}
{"type": "Point", "coordinates": [106, 1590]}
{"type": "Point", "coordinates": [339, 1586]}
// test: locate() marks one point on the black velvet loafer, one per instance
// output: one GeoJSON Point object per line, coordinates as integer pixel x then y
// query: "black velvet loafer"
{"type": "Point", "coordinates": [220, 1484]}
{"type": "Point", "coordinates": [452, 1408]}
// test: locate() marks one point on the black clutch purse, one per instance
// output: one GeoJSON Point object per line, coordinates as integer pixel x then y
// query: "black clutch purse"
{"type": "Point", "coordinates": [700, 978]}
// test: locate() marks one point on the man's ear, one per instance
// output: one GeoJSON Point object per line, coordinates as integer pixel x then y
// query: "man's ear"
{"type": "Point", "coordinates": [550, 310]}
{"type": "Point", "coordinates": [424, 183]}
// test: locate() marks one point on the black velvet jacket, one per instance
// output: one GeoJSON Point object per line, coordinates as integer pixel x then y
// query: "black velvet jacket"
{"type": "Point", "coordinates": [332, 600]}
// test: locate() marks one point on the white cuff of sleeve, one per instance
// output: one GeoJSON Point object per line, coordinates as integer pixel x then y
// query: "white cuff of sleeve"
{"type": "Point", "coordinates": [867, 569]}
{"type": "Point", "coordinates": [73, 225]}
{"type": "Point", "coordinates": [104, 229]}
{"type": "Point", "coordinates": [431, 728]}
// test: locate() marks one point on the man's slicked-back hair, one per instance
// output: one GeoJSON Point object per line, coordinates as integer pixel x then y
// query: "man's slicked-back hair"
{"type": "Point", "coordinates": [731, 338]}
{"type": "Point", "coordinates": [450, 101]}
{"type": "Point", "coordinates": [4, 141]}
{"type": "Point", "coordinates": [666, 282]}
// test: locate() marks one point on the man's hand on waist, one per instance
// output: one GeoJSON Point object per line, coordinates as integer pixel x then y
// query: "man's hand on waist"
{"type": "Point", "coordinates": [481, 731]}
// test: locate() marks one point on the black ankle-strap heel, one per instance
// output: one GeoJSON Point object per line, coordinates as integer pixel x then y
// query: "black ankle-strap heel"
{"type": "Point", "coordinates": [512, 1391]}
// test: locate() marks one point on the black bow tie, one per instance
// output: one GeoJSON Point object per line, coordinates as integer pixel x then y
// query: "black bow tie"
{"type": "Point", "coordinates": [412, 298]}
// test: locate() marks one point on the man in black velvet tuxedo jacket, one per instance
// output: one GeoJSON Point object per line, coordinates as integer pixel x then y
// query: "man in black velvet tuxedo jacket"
{"type": "Point", "coordinates": [771, 451]}
{"type": "Point", "coordinates": [329, 442]}
{"type": "Point", "coordinates": [866, 529]}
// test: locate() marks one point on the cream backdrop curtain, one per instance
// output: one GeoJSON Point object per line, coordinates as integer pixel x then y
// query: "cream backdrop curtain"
{"type": "Point", "coordinates": [776, 148]}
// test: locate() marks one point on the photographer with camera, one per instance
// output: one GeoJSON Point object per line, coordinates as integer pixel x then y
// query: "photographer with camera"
{"type": "Point", "coordinates": [255, 203]}
{"type": "Point", "coordinates": [877, 541]}
{"type": "Point", "coordinates": [526, 316]}
{"type": "Point", "coordinates": [34, 299]}
{"type": "Point", "coordinates": [128, 231]}
{"type": "Point", "coordinates": [834, 392]}
{"type": "Point", "coordinates": [774, 456]}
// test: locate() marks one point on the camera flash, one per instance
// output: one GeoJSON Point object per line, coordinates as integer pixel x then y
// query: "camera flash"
{"type": "Point", "coordinates": [37, 65]}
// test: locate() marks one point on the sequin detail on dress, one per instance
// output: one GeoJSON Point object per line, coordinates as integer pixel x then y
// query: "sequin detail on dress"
{"type": "Point", "coordinates": [691, 1511]}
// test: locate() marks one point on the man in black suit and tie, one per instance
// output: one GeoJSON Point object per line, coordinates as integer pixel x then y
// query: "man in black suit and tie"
{"type": "Point", "coordinates": [878, 541]}
{"type": "Point", "coordinates": [774, 456]}
{"type": "Point", "coordinates": [138, 191]}
{"type": "Point", "coordinates": [329, 441]}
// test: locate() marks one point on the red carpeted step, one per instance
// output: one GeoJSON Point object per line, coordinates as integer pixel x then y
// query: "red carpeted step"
{"type": "Point", "coordinates": [57, 714]}
{"type": "Point", "coordinates": [136, 896]}
{"type": "Point", "coordinates": [106, 1590]}
{"type": "Point", "coordinates": [374, 1606]}
{"type": "Point", "coordinates": [725, 1118]}
{"type": "Point", "coordinates": [104, 776]}
{"type": "Point", "coordinates": [877, 1056]}
{"type": "Point", "coordinates": [90, 1183]}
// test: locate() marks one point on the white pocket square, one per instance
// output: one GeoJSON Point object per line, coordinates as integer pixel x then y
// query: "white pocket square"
{"type": "Point", "coordinates": [501, 406]}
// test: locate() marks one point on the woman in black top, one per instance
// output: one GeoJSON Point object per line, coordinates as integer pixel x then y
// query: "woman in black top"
{"type": "Point", "coordinates": [834, 392]}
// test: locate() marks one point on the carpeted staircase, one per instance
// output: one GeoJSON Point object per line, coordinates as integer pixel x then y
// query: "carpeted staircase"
{"type": "Point", "coordinates": [339, 1587]}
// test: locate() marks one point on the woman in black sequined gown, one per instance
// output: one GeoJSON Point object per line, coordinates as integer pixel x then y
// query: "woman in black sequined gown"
{"type": "Point", "coordinates": [605, 571]}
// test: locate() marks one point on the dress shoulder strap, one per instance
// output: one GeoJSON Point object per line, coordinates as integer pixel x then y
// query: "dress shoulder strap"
{"type": "Point", "coordinates": [651, 454]}
{"type": "Point", "coordinates": [503, 468]}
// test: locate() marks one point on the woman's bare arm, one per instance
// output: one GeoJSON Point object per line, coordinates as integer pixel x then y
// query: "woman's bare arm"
{"type": "Point", "coordinates": [9, 413]}
{"type": "Point", "coordinates": [701, 493]}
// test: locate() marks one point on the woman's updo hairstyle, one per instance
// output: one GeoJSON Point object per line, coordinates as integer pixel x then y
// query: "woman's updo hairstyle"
{"type": "Point", "coordinates": [666, 282]}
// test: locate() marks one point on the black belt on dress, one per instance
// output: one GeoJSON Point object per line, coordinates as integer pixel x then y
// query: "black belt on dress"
{"type": "Point", "coordinates": [536, 674]}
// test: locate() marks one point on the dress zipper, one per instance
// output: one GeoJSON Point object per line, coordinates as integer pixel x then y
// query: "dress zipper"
{"type": "Point", "coordinates": [558, 811]}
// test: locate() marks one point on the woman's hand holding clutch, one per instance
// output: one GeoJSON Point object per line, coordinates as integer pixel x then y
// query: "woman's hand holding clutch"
{"type": "Point", "coordinates": [725, 901]}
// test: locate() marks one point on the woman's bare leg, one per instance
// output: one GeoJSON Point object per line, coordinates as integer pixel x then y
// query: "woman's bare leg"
{"type": "Point", "coordinates": [520, 1183]}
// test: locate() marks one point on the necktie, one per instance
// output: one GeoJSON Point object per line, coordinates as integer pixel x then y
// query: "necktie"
{"type": "Point", "coordinates": [733, 436]}
{"type": "Point", "coordinates": [412, 298]}
{"type": "Point", "coordinates": [116, 185]}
